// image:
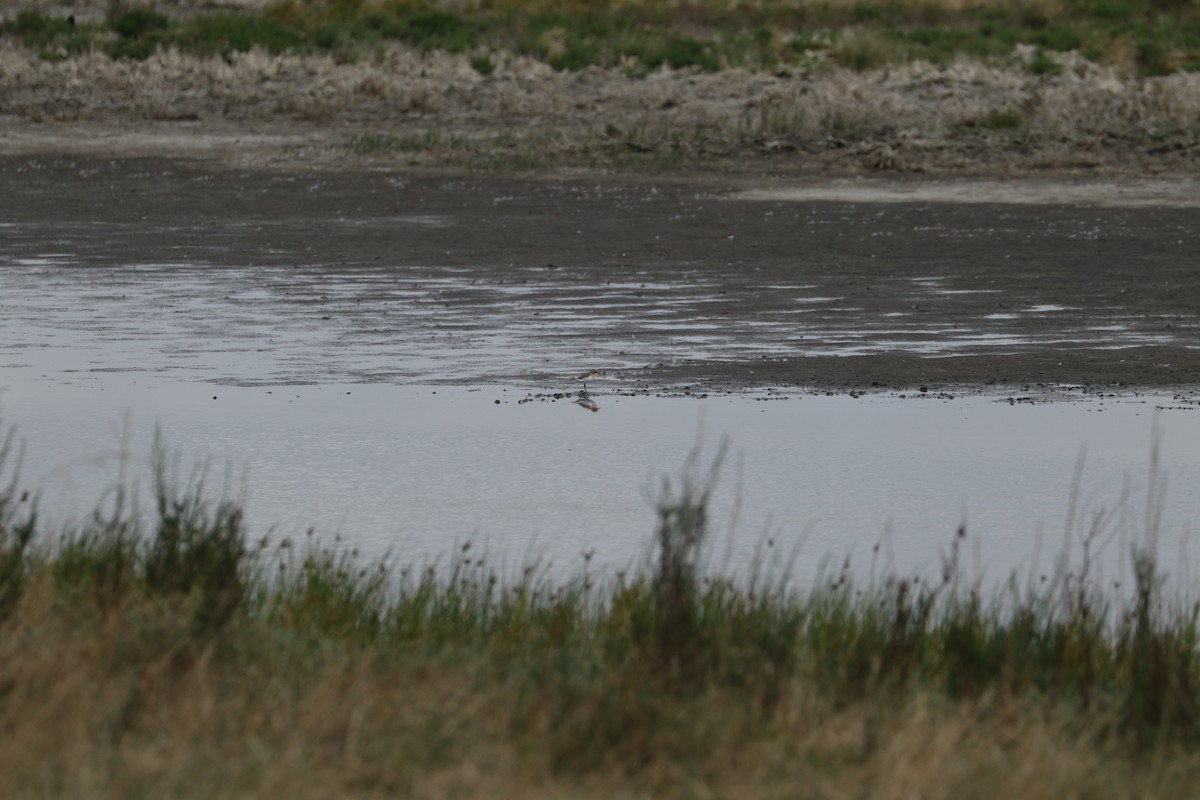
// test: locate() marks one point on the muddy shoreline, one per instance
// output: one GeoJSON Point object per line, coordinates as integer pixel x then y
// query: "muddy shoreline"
{"type": "Point", "coordinates": [803, 295]}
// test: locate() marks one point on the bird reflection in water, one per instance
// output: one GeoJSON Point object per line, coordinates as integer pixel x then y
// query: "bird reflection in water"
{"type": "Point", "coordinates": [584, 400]}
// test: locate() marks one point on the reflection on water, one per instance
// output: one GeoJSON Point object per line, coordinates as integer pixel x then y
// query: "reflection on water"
{"type": "Point", "coordinates": [412, 470]}
{"type": "Point", "coordinates": [263, 326]}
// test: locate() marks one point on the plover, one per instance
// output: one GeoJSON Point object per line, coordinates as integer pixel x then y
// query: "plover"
{"type": "Point", "coordinates": [587, 376]}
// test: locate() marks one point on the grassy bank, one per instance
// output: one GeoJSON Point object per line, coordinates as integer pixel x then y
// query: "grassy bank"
{"type": "Point", "coordinates": [163, 655]}
{"type": "Point", "coordinates": [1147, 37]}
{"type": "Point", "coordinates": [936, 87]}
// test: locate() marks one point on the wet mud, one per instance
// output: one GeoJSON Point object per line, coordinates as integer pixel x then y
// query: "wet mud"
{"type": "Point", "coordinates": [682, 284]}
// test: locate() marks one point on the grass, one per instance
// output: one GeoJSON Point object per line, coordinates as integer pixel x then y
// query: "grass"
{"type": "Point", "coordinates": [1150, 37]}
{"type": "Point", "coordinates": [160, 653]}
{"type": "Point", "coordinates": [54, 38]}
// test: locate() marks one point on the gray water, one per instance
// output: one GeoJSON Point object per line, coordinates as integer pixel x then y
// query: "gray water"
{"type": "Point", "coordinates": [264, 326]}
{"type": "Point", "coordinates": [406, 412]}
{"type": "Point", "coordinates": [414, 471]}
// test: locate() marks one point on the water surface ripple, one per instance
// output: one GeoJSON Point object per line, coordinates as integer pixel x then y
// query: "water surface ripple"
{"type": "Point", "coordinates": [312, 324]}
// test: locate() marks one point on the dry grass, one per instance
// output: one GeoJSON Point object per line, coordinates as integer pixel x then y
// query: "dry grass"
{"type": "Point", "coordinates": [911, 118]}
{"type": "Point", "coordinates": [125, 706]}
{"type": "Point", "coordinates": [784, 87]}
{"type": "Point", "coordinates": [156, 656]}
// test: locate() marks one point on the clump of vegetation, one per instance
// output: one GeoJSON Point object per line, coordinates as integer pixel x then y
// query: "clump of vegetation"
{"type": "Point", "coordinates": [138, 23]}
{"type": "Point", "coordinates": [54, 38]}
{"type": "Point", "coordinates": [162, 652]}
{"type": "Point", "coordinates": [1002, 119]}
{"type": "Point", "coordinates": [222, 34]}
{"type": "Point", "coordinates": [483, 65]}
{"type": "Point", "coordinates": [1042, 64]}
{"type": "Point", "coordinates": [867, 49]}
{"type": "Point", "coordinates": [18, 523]}
{"type": "Point", "coordinates": [1164, 34]}
{"type": "Point", "coordinates": [139, 30]}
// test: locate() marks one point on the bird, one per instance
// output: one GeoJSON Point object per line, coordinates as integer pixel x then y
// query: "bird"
{"type": "Point", "coordinates": [587, 376]}
{"type": "Point", "coordinates": [585, 401]}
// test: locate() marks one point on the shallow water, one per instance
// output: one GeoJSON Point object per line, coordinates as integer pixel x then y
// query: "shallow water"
{"type": "Point", "coordinates": [341, 343]}
{"type": "Point", "coordinates": [414, 471]}
{"type": "Point", "coordinates": [271, 325]}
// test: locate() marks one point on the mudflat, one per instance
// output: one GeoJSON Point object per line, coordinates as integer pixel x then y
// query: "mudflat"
{"type": "Point", "coordinates": [950, 227]}
{"type": "Point", "coordinates": [957, 284]}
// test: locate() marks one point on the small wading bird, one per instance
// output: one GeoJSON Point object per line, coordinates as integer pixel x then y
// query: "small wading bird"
{"type": "Point", "coordinates": [585, 400]}
{"type": "Point", "coordinates": [591, 374]}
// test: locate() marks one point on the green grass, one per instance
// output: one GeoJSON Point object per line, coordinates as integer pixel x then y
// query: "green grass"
{"type": "Point", "coordinates": [137, 23]}
{"type": "Point", "coordinates": [222, 34]}
{"type": "Point", "coordinates": [1162, 35]}
{"type": "Point", "coordinates": [1002, 119]}
{"type": "Point", "coordinates": [18, 525]}
{"type": "Point", "coordinates": [1042, 64]}
{"type": "Point", "coordinates": [139, 32]}
{"type": "Point", "coordinates": [55, 38]}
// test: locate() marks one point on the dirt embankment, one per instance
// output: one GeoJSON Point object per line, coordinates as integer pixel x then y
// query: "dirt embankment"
{"type": "Point", "coordinates": [409, 107]}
